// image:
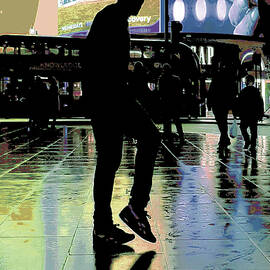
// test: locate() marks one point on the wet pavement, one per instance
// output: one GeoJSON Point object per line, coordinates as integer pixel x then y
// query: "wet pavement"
{"type": "Point", "coordinates": [208, 211]}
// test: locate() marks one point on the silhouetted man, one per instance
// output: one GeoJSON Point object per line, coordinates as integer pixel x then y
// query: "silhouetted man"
{"type": "Point", "coordinates": [250, 108]}
{"type": "Point", "coordinates": [115, 113]}
{"type": "Point", "coordinates": [171, 90]}
{"type": "Point", "coordinates": [221, 98]}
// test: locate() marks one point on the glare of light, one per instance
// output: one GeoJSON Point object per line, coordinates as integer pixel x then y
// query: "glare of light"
{"type": "Point", "coordinates": [221, 9]}
{"type": "Point", "coordinates": [179, 10]}
{"type": "Point", "coordinates": [200, 9]}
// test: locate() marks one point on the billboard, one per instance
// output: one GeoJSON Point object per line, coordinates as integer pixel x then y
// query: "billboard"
{"type": "Point", "coordinates": [230, 17]}
{"type": "Point", "coordinates": [74, 17]}
{"type": "Point", "coordinates": [237, 17]}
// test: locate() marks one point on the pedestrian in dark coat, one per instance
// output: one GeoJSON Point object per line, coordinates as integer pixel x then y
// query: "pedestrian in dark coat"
{"type": "Point", "coordinates": [250, 109]}
{"type": "Point", "coordinates": [221, 99]}
{"type": "Point", "coordinates": [171, 92]}
{"type": "Point", "coordinates": [53, 100]}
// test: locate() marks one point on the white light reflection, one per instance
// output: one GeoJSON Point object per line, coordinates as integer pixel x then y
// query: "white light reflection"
{"type": "Point", "coordinates": [221, 9]}
{"type": "Point", "coordinates": [200, 9]}
{"type": "Point", "coordinates": [179, 10]}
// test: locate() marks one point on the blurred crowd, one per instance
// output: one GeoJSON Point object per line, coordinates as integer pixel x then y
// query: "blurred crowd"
{"type": "Point", "coordinates": [35, 98]}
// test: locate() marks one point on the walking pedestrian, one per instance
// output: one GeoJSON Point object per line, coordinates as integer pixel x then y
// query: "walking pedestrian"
{"type": "Point", "coordinates": [171, 92]}
{"type": "Point", "coordinates": [250, 109]}
{"type": "Point", "coordinates": [53, 100]}
{"type": "Point", "coordinates": [221, 98]}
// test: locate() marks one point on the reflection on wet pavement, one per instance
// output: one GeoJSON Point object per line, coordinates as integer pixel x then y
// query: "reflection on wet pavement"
{"type": "Point", "coordinates": [208, 211]}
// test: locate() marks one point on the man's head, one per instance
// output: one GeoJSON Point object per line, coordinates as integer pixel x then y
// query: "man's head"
{"type": "Point", "coordinates": [167, 68]}
{"type": "Point", "coordinates": [131, 7]}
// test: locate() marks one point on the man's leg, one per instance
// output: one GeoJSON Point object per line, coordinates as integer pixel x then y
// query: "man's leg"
{"type": "Point", "coordinates": [243, 128]}
{"type": "Point", "coordinates": [179, 128]}
{"type": "Point", "coordinates": [254, 134]}
{"type": "Point", "coordinates": [109, 153]}
{"type": "Point", "coordinates": [167, 125]}
{"type": "Point", "coordinates": [148, 140]}
{"type": "Point", "coordinates": [221, 119]}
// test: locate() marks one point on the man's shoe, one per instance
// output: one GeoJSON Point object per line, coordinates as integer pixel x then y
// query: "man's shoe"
{"type": "Point", "coordinates": [113, 236]}
{"type": "Point", "coordinates": [137, 221]}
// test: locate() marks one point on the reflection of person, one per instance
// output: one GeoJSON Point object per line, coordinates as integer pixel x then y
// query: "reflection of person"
{"type": "Point", "coordinates": [220, 99]}
{"type": "Point", "coordinates": [250, 109]}
{"type": "Point", "coordinates": [105, 256]}
{"type": "Point", "coordinates": [171, 89]}
{"type": "Point", "coordinates": [115, 113]}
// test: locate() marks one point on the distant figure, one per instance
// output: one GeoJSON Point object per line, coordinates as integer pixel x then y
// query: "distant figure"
{"type": "Point", "coordinates": [191, 99]}
{"type": "Point", "coordinates": [12, 94]}
{"type": "Point", "coordinates": [115, 113]}
{"type": "Point", "coordinates": [138, 85]}
{"type": "Point", "coordinates": [221, 98]}
{"type": "Point", "coordinates": [4, 104]}
{"type": "Point", "coordinates": [171, 92]}
{"type": "Point", "coordinates": [250, 109]}
{"type": "Point", "coordinates": [53, 100]}
{"type": "Point", "coordinates": [38, 117]}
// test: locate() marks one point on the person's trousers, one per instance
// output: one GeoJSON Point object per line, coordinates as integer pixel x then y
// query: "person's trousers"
{"type": "Point", "coordinates": [171, 115]}
{"type": "Point", "coordinates": [221, 117]}
{"type": "Point", "coordinates": [109, 130]}
{"type": "Point", "coordinates": [253, 127]}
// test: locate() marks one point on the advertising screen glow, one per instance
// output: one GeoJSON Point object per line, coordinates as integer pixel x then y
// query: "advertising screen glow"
{"type": "Point", "coordinates": [74, 17]}
{"type": "Point", "coordinates": [239, 17]}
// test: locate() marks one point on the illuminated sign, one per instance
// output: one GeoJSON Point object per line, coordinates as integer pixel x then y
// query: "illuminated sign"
{"type": "Point", "coordinates": [76, 16]}
{"type": "Point", "coordinates": [54, 66]}
{"type": "Point", "coordinates": [215, 16]}
{"type": "Point", "coordinates": [205, 54]}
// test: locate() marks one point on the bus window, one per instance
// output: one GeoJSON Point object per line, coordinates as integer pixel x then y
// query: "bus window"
{"type": "Point", "coordinates": [10, 50]}
{"type": "Point", "coordinates": [25, 51]}
{"type": "Point", "coordinates": [54, 51]}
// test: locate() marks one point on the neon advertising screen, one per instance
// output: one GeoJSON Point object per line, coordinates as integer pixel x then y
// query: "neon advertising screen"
{"type": "Point", "coordinates": [74, 17]}
{"type": "Point", "coordinates": [237, 17]}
